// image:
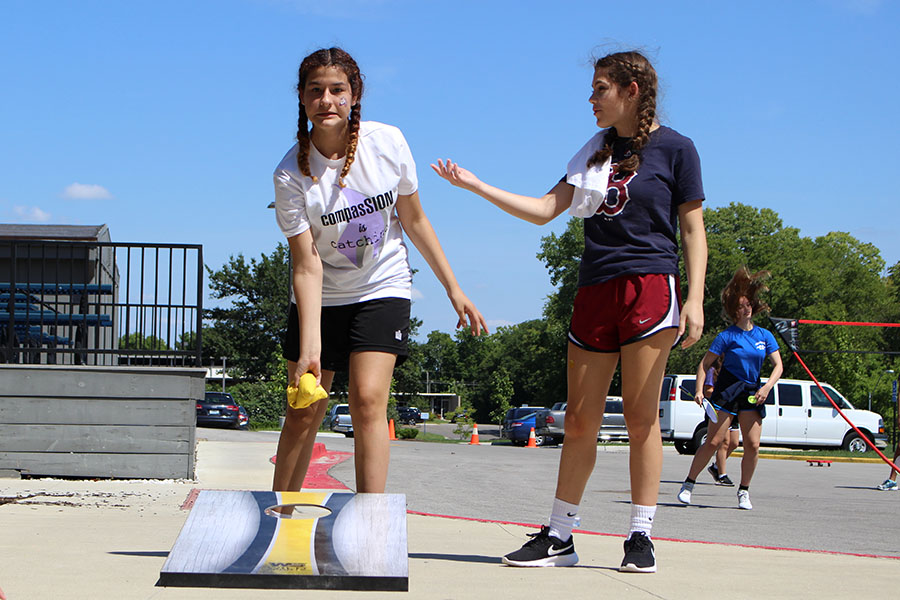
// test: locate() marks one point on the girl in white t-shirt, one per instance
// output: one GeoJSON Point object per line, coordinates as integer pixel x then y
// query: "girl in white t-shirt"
{"type": "Point", "coordinates": [345, 193]}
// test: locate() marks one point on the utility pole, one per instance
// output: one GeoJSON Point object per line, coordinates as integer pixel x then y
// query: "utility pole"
{"type": "Point", "coordinates": [224, 359]}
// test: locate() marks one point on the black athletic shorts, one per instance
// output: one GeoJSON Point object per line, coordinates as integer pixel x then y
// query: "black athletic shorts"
{"type": "Point", "coordinates": [380, 325]}
{"type": "Point", "coordinates": [730, 395]}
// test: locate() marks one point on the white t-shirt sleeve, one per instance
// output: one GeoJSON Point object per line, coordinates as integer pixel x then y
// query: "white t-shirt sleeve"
{"type": "Point", "coordinates": [290, 203]}
{"type": "Point", "coordinates": [409, 183]}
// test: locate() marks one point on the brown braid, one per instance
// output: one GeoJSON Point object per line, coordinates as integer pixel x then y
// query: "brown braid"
{"type": "Point", "coordinates": [352, 141]}
{"type": "Point", "coordinates": [622, 68]}
{"type": "Point", "coordinates": [303, 144]}
{"type": "Point", "coordinates": [329, 57]}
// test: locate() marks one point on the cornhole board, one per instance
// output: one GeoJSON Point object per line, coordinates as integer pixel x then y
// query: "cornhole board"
{"type": "Point", "coordinates": [332, 541]}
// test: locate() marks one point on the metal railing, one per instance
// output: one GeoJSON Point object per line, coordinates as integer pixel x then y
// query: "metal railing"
{"type": "Point", "coordinates": [100, 303]}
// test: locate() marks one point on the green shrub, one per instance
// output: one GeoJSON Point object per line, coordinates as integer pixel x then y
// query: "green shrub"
{"type": "Point", "coordinates": [407, 433]}
{"type": "Point", "coordinates": [264, 401]}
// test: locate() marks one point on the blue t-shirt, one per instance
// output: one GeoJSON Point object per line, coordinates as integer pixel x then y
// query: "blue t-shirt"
{"type": "Point", "coordinates": [633, 231]}
{"type": "Point", "coordinates": [744, 351]}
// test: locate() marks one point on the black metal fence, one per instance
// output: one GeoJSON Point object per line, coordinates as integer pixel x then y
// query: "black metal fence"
{"type": "Point", "coordinates": [100, 303]}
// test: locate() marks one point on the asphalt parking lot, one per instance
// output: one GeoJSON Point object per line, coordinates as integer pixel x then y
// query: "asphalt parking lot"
{"type": "Point", "coordinates": [833, 509]}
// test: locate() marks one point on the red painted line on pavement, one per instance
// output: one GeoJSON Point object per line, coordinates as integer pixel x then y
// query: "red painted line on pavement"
{"type": "Point", "coordinates": [587, 532]}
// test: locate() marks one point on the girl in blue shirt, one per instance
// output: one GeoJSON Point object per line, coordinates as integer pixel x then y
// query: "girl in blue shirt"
{"type": "Point", "coordinates": [738, 393]}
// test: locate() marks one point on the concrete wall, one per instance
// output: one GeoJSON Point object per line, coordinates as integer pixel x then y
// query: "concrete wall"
{"type": "Point", "coordinates": [84, 421]}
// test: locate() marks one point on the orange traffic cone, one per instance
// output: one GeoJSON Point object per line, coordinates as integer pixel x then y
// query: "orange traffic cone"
{"type": "Point", "coordinates": [531, 441]}
{"type": "Point", "coordinates": [391, 433]}
{"type": "Point", "coordinates": [474, 440]}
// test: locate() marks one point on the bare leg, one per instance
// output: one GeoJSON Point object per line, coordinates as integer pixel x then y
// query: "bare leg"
{"type": "Point", "coordinates": [715, 436]}
{"type": "Point", "coordinates": [643, 367]}
{"type": "Point", "coordinates": [751, 428]}
{"type": "Point", "coordinates": [589, 376]}
{"type": "Point", "coordinates": [295, 445]}
{"type": "Point", "coordinates": [370, 385]}
{"type": "Point", "coordinates": [732, 439]}
{"type": "Point", "coordinates": [893, 476]}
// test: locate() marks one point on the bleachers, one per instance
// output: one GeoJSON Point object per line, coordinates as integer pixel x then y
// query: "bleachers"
{"type": "Point", "coordinates": [34, 306]}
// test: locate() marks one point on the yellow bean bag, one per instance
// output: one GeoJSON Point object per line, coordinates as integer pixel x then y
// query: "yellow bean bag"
{"type": "Point", "coordinates": [308, 392]}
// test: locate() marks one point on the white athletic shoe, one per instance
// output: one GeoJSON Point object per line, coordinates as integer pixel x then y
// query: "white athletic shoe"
{"type": "Point", "coordinates": [744, 500]}
{"type": "Point", "coordinates": [684, 496]}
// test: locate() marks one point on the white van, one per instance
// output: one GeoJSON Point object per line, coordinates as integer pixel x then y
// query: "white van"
{"type": "Point", "coordinates": [797, 415]}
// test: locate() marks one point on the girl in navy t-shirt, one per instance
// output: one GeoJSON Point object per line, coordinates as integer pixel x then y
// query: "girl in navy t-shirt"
{"type": "Point", "coordinates": [634, 183]}
{"type": "Point", "coordinates": [738, 393]}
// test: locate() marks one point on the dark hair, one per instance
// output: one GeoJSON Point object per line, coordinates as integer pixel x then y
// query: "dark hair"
{"type": "Point", "coordinates": [743, 284]}
{"type": "Point", "coordinates": [623, 68]}
{"type": "Point", "coordinates": [329, 57]}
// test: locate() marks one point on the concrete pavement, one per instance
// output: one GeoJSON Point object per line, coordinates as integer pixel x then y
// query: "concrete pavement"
{"type": "Point", "coordinates": [104, 539]}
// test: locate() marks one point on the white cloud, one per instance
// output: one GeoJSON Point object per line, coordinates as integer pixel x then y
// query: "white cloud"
{"type": "Point", "coordinates": [31, 213]}
{"type": "Point", "coordinates": [493, 324]}
{"type": "Point", "coordinates": [417, 295]}
{"type": "Point", "coordinates": [86, 191]}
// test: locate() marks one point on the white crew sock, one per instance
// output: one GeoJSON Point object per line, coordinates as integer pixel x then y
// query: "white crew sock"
{"type": "Point", "coordinates": [563, 519]}
{"type": "Point", "coordinates": [642, 518]}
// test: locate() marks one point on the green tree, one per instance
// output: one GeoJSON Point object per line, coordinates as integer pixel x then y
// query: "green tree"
{"type": "Point", "coordinates": [501, 392]}
{"type": "Point", "coordinates": [832, 277]}
{"type": "Point", "coordinates": [138, 341]}
{"type": "Point", "coordinates": [249, 325]}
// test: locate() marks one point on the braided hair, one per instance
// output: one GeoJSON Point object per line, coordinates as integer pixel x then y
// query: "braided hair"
{"type": "Point", "coordinates": [623, 68]}
{"type": "Point", "coordinates": [329, 57]}
{"type": "Point", "coordinates": [746, 285]}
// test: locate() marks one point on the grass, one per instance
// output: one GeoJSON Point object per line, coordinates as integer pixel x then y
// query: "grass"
{"type": "Point", "coordinates": [822, 453]}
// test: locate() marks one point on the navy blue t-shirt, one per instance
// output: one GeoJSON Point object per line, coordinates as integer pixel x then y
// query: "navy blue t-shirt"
{"type": "Point", "coordinates": [633, 231]}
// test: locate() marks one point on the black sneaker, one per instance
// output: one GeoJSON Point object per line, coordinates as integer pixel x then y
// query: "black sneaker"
{"type": "Point", "coordinates": [725, 480]}
{"type": "Point", "coordinates": [639, 556]}
{"type": "Point", "coordinates": [543, 550]}
{"type": "Point", "coordinates": [714, 471]}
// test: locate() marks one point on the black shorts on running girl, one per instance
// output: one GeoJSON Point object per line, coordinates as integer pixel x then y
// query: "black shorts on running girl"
{"type": "Point", "coordinates": [380, 325]}
{"type": "Point", "coordinates": [624, 310]}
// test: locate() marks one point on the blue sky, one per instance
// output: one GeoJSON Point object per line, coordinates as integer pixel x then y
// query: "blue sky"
{"type": "Point", "coordinates": [165, 119]}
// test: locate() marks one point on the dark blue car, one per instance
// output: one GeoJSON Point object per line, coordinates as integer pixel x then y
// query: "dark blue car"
{"type": "Point", "coordinates": [518, 424]}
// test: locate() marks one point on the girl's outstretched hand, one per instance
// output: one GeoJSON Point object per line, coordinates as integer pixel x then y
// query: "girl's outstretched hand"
{"type": "Point", "coordinates": [469, 316]}
{"type": "Point", "coordinates": [455, 174]}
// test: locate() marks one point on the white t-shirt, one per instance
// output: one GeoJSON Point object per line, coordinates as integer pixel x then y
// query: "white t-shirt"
{"type": "Point", "coordinates": [356, 228]}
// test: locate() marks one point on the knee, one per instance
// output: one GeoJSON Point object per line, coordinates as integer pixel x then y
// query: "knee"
{"type": "Point", "coordinates": [641, 423]}
{"type": "Point", "coordinates": [751, 446]}
{"type": "Point", "coordinates": [368, 408]}
{"type": "Point", "coordinates": [578, 426]}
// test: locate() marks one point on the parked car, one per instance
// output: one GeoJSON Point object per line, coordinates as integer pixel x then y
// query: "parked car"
{"type": "Point", "coordinates": [340, 420]}
{"type": "Point", "coordinates": [409, 415]}
{"type": "Point", "coordinates": [460, 415]}
{"type": "Point", "coordinates": [218, 408]}
{"type": "Point", "coordinates": [797, 415]}
{"type": "Point", "coordinates": [243, 418]}
{"type": "Point", "coordinates": [613, 427]}
{"type": "Point", "coordinates": [550, 423]}
{"type": "Point", "coordinates": [517, 425]}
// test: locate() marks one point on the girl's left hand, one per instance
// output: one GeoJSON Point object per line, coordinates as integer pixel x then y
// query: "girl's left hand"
{"type": "Point", "coordinates": [691, 321]}
{"type": "Point", "coordinates": [469, 316]}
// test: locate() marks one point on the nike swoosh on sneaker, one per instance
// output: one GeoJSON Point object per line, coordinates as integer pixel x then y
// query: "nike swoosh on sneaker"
{"type": "Point", "coordinates": [642, 321]}
{"type": "Point", "coordinates": [554, 552]}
